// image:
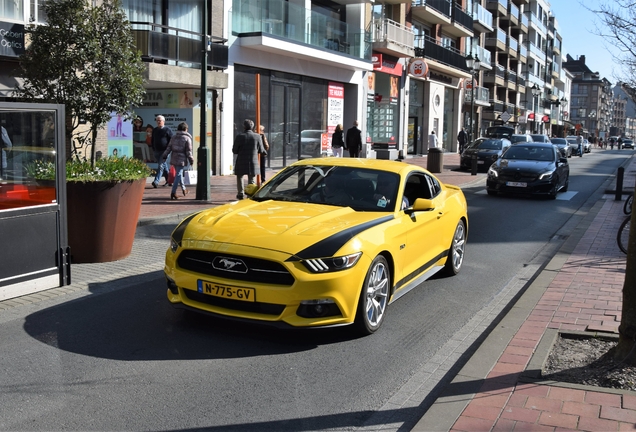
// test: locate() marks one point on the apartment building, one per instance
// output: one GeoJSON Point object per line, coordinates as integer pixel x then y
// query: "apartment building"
{"type": "Point", "coordinates": [627, 93]}
{"type": "Point", "coordinates": [591, 99]}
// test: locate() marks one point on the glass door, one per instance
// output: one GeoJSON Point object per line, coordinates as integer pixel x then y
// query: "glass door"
{"type": "Point", "coordinates": [285, 124]}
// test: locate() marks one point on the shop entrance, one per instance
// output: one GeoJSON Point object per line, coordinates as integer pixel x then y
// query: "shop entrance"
{"type": "Point", "coordinates": [285, 103]}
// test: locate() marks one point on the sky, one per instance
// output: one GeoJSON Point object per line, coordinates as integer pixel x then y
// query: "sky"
{"type": "Point", "coordinates": [577, 26]}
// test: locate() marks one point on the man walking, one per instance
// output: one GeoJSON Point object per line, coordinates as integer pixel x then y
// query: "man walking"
{"type": "Point", "coordinates": [161, 136]}
{"type": "Point", "coordinates": [354, 140]}
{"type": "Point", "coordinates": [247, 146]}
{"type": "Point", "coordinates": [462, 138]}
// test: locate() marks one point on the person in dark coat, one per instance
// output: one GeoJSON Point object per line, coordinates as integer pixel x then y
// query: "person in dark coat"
{"type": "Point", "coordinates": [354, 140]}
{"type": "Point", "coordinates": [247, 146]}
{"type": "Point", "coordinates": [337, 142]}
{"type": "Point", "coordinates": [462, 138]}
{"type": "Point", "coordinates": [161, 136]}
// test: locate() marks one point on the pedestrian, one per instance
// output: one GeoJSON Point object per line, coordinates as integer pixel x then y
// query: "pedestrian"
{"type": "Point", "coordinates": [353, 140]}
{"type": "Point", "coordinates": [619, 143]}
{"type": "Point", "coordinates": [337, 142]}
{"type": "Point", "coordinates": [263, 158]}
{"type": "Point", "coordinates": [462, 139]}
{"type": "Point", "coordinates": [247, 146]}
{"type": "Point", "coordinates": [180, 151]}
{"type": "Point", "coordinates": [161, 136]}
{"type": "Point", "coordinates": [579, 143]}
{"type": "Point", "coordinates": [432, 140]}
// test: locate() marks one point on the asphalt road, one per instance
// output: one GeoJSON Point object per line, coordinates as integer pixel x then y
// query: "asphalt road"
{"type": "Point", "coordinates": [121, 358]}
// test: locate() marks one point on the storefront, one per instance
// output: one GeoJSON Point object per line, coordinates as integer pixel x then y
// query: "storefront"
{"type": "Point", "coordinates": [383, 105]}
{"type": "Point", "coordinates": [35, 253]}
{"type": "Point", "coordinates": [299, 112]}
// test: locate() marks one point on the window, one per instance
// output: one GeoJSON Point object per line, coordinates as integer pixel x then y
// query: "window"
{"type": "Point", "coordinates": [11, 9]}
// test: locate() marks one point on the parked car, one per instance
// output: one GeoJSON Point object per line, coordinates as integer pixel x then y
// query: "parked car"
{"type": "Point", "coordinates": [303, 253]}
{"type": "Point", "coordinates": [486, 150]}
{"type": "Point", "coordinates": [563, 145]}
{"type": "Point", "coordinates": [531, 169]}
{"type": "Point", "coordinates": [628, 143]}
{"type": "Point", "coordinates": [500, 132]}
{"type": "Point", "coordinates": [515, 138]}
{"type": "Point", "coordinates": [540, 138]}
{"type": "Point", "coordinates": [311, 143]}
{"type": "Point", "coordinates": [587, 146]}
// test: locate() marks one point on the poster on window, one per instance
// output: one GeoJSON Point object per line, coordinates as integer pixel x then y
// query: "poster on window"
{"type": "Point", "coordinates": [335, 110]}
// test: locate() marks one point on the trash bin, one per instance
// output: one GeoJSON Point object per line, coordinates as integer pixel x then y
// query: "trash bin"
{"type": "Point", "coordinates": [435, 160]}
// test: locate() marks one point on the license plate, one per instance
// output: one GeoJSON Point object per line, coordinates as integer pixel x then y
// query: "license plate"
{"type": "Point", "coordinates": [480, 162]}
{"type": "Point", "coordinates": [517, 184]}
{"type": "Point", "coordinates": [228, 292]}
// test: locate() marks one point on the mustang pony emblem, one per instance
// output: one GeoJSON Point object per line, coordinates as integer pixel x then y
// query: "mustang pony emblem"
{"type": "Point", "coordinates": [229, 264]}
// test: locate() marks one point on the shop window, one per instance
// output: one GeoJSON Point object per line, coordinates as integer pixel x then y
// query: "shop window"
{"type": "Point", "coordinates": [28, 146]}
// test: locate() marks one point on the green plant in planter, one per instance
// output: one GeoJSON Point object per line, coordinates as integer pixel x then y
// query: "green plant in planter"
{"type": "Point", "coordinates": [113, 169]}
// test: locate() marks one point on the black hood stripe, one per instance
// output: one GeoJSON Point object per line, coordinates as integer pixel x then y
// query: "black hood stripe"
{"type": "Point", "coordinates": [329, 246]}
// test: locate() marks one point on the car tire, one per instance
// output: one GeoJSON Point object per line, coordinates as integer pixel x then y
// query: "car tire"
{"type": "Point", "coordinates": [455, 257]}
{"type": "Point", "coordinates": [566, 185]}
{"type": "Point", "coordinates": [374, 296]}
{"type": "Point", "coordinates": [491, 192]}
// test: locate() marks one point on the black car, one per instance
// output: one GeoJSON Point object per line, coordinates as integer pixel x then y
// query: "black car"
{"type": "Point", "coordinates": [529, 168]}
{"type": "Point", "coordinates": [563, 145]}
{"type": "Point", "coordinates": [628, 143]}
{"type": "Point", "coordinates": [540, 138]}
{"type": "Point", "coordinates": [485, 150]}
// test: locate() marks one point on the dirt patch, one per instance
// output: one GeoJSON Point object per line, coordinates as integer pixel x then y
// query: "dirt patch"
{"type": "Point", "coordinates": [583, 361]}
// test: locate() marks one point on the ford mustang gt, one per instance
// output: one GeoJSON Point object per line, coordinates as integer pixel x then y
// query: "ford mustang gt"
{"type": "Point", "coordinates": [325, 242]}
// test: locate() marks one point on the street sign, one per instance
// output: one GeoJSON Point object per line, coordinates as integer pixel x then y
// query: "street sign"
{"type": "Point", "coordinates": [505, 116]}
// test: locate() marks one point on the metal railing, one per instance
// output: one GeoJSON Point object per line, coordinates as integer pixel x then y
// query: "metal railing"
{"type": "Point", "coordinates": [177, 46]}
{"type": "Point", "coordinates": [426, 46]}
{"type": "Point", "coordinates": [443, 6]}
{"type": "Point", "coordinates": [386, 30]}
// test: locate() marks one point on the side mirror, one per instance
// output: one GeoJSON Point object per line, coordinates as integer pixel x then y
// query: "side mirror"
{"type": "Point", "coordinates": [420, 204]}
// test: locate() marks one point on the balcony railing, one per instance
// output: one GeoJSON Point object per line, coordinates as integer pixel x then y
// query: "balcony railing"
{"type": "Point", "coordinates": [536, 50]}
{"type": "Point", "coordinates": [513, 10]}
{"type": "Point", "coordinates": [524, 20]}
{"type": "Point", "coordinates": [386, 30]}
{"type": "Point", "coordinates": [513, 44]}
{"type": "Point", "coordinates": [482, 15]}
{"type": "Point", "coordinates": [523, 51]}
{"type": "Point", "coordinates": [504, 3]}
{"type": "Point", "coordinates": [291, 22]}
{"type": "Point", "coordinates": [177, 46]}
{"type": "Point", "coordinates": [483, 54]}
{"type": "Point", "coordinates": [462, 18]}
{"type": "Point", "coordinates": [442, 6]}
{"type": "Point", "coordinates": [425, 46]}
{"type": "Point", "coordinates": [482, 94]}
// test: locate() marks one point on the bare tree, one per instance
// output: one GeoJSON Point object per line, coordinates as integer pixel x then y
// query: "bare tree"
{"type": "Point", "coordinates": [618, 26]}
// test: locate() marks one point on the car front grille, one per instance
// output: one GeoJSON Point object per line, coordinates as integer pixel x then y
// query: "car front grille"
{"type": "Point", "coordinates": [253, 307]}
{"type": "Point", "coordinates": [517, 176]}
{"type": "Point", "coordinates": [247, 269]}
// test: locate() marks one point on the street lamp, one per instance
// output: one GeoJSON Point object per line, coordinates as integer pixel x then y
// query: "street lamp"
{"type": "Point", "coordinates": [473, 64]}
{"type": "Point", "coordinates": [562, 103]}
{"type": "Point", "coordinates": [535, 92]}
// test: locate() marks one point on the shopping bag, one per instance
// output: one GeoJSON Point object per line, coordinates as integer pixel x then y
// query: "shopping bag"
{"type": "Point", "coordinates": [190, 177]}
{"type": "Point", "coordinates": [172, 174]}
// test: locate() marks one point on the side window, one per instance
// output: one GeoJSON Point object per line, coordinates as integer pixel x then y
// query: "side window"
{"type": "Point", "coordinates": [421, 186]}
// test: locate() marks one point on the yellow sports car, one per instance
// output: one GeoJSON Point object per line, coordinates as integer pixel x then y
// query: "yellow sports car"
{"type": "Point", "coordinates": [325, 242]}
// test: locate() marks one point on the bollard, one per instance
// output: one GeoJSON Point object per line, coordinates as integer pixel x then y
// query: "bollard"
{"type": "Point", "coordinates": [619, 184]}
{"type": "Point", "coordinates": [473, 165]}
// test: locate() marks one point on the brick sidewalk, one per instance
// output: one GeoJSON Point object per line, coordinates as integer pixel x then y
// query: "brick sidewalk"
{"type": "Point", "coordinates": [584, 295]}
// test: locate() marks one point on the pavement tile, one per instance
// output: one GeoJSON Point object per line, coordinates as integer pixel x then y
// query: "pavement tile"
{"type": "Point", "coordinates": [503, 425]}
{"type": "Point", "coordinates": [629, 402]}
{"type": "Point", "coordinates": [490, 400]}
{"type": "Point", "coordinates": [533, 390]}
{"type": "Point", "coordinates": [532, 427]}
{"type": "Point", "coordinates": [567, 394]}
{"type": "Point", "coordinates": [472, 424]}
{"type": "Point", "coordinates": [597, 424]}
{"type": "Point", "coordinates": [544, 404]}
{"type": "Point", "coordinates": [618, 414]}
{"type": "Point", "coordinates": [604, 399]}
{"type": "Point", "coordinates": [520, 414]}
{"type": "Point", "coordinates": [581, 409]}
{"type": "Point", "coordinates": [558, 420]}
{"type": "Point", "coordinates": [482, 412]}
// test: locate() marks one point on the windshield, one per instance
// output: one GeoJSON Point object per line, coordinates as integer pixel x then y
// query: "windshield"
{"type": "Point", "coordinates": [358, 188]}
{"type": "Point", "coordinates": [488, 144]}
{"type": "Point", "coordinates": [559, 141]}
{"type": "Point", "coordinates": [518, 138]}
{"type": "Point", "coordinates": [530, 153]}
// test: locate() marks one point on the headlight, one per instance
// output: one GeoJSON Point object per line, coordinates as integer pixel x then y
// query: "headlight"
{"type": "Point", "coordinates": [177, 234]}
{"type": "Point", "coordinates": [492, 172]}
{"type": "Point", "coordinates": [546, 175]}
{"type": "Point", "coordinates": [322, 265]}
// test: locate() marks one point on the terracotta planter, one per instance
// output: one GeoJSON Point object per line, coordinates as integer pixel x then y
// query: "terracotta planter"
{"type": "Point", "coordinates": [102, 219]}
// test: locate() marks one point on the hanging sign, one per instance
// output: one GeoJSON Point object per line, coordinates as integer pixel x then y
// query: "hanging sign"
{"type": "Point", "coordinates": [418, 68]}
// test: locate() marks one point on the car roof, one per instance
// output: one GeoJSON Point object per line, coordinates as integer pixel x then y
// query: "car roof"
{"type": "Point", "coordinates": [377, 164]}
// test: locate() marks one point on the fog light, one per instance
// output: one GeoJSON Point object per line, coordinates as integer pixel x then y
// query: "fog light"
{"type": "Point", "coordinates": [317, 308]}
{"type": "Point", "coordinates": [174, 289]}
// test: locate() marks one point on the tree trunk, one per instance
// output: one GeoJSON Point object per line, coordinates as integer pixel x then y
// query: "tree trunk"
{"type": "Point", "coordinates": [625, 350]}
